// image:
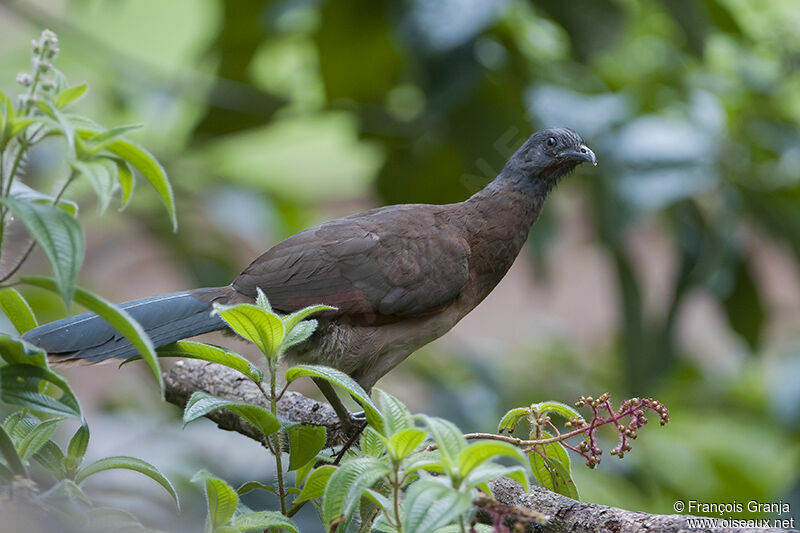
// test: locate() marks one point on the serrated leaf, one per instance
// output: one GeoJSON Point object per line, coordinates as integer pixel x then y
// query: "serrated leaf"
{"type": "Point", "coordinates": [396, 416]}
{"type": "Point", "coordinates": [557, 407]}
{"type": "Point", "coordinates": [202, 403]}
{"type": "Point", "coordinates": [208, 352]}
{"type": "Point", "coordinates": [314, 486]}
{"type": "Point", "coordinates": [21, 352]}
{"type": "Point", "coordinates": [342, 380]}
{"type": "Point", "coordinates": [300, 333]}
{"type": "Point", "coordinates": [290, 321]}
{"type": "Point", "coordinates": [62, 124]}
{"type": "Point", "coordinates": [9, 452]}
{"type": "Point", "coordinates": [67, 96]}
{"type": "Point", "coordinates": [489, 471]}
{"type": "Point", "coordinates": [481, 451]}
{"type": "Point", "coordinates": [262, 301]}
{"type": "Point", "coordinates": [147, 165]}
{"type": "Point", "coordinates": [222, 502]}
{"type": "Point", "coordinates": [20, 385]}
{"type": "Point", "coordinates": [51, 458]}
{"type": "Point", "coordinates": [17, 310]}
{"type": "Point", "coordinates": [448, 438]}
{"type": "Point", "coordinates": [511, 419]}
{"type": "Point", "coordinates": [346, 486]}
{"type": "Point", "coordinates": [402, 443]}
{"type": "Point", "coordinates": [253, 485]}
{"type": "Point", "coordinates": [116, 317]}
{"type": "Point", "coordinates": [103, 139]}
{"type": "Point", "coordinates": [551, 468]}
{"type": "Point", "coordinates": [78, 444]}
{"type": "Point", "coordinates": [262, 520]}
{"type": "Point", "coordinates": [305, 442]}
{"type": "Point", "coordinates": [263, 328]}
{"type": "Point", "coordinates": [429, 505]}
{"type": "Point", "coordinates": [126, 182]}
{"type": "Point", "coordinates": [372, 442]}
{"type": "Point", "coordinates": [102, 174]}
{"type": "Point", "coordinates": [58, 235]}
{"type": "Point", "coordinates": [22, 192]}
{"type": "Point", "coordinates": [34, 440]}
{"type": "Point", "coordinates": [127, 463]}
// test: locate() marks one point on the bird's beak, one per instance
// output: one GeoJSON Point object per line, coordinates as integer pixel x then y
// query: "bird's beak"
{"type": "Point", "coordinates": [582, 153]}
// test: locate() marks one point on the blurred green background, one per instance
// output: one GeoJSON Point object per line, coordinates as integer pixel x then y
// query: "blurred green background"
{"type": "Point", "coordinates": [670, 270]}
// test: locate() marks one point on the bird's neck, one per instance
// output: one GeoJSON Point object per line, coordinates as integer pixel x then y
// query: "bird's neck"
{"type": "Point", "coordinates": [499, 219]}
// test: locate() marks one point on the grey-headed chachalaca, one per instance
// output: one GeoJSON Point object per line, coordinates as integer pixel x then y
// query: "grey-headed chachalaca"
{"type": "Point", "coordinates": [400, 276]}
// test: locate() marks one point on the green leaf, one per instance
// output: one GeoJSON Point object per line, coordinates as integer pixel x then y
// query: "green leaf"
{"type": "Point", "coordinates": [59, 236]}
{"type": "Point", "coordinates": [20, 385]}
{"type": "Point", "coordinates": [402, 443]}
{"type": "Point", "coordinates": [342, 380]}
{"type": "Point", "coordinates": [305, 442]}
{"type": "Point", "coordinates": [51, 458]}
{"type": "Point", "coordinates": [21, 352]}
{"type": "Point", "coordinates": [126, 182]}
{"type": "Point", "coordinates": [396, 416]}
{"type": "Point", "coordinates": [263, 328]}
{"type": "Point", "coordinates": [481, 451]}
{"type": "Point", "coordinates": [17, 310]}
{"type": "Point", "coordinates": [290, 321]}
{"type": "Point", "coordinates": [9, 453]}
{"type": "Point", "coordinates": [118, 318]}
{"type": "Point", "coordinates": [202, 403]}
{"type": "Point", "coordinates": [147, 165]}
{"type": "Point", "coordinates": [38, 436]}
{"type": "Point", "coordinates": [222, 502]}
{"type": "Point", "coordinates": [102, 175]}
{"type": "Point", "coordinates": [78, 444]}
{"type": "Point", "coordinates": [346, 486]}
{"type": "Point", "coordinates": [22, 192]}
{"type": "Point", "coordinates": [511, 419]}
{"type": "Point", "coordinates": [253, 485]}
{"type": "Point", "coordinates": [314, 486]}
{"type": "Point", "coordinates": [552, 470]}
{"type": "Point", "coordinates": [63, 126]}
{"type": "Point", "coordinates": [262, 520]}
{"type": "Point", "coordinates": [430, 505]}
{"type": "Point", "coordinates": [208, 352]}
{"type": "Point", "coordinates": [67, 96]}
{"type": "Point", "coordinates": [300, 333]}
{"type": "Point", "coordinates": [557, 407]}
{"type": "Point", "coordinates": [127, 463]}
{"type": "Point", "coordinates": [262, 301]}
{"type": "Point", "coordinates": [448, 438]}
{"type": "Point", "coordinates": [488, 471]}
{"type": "Point", "coordinates": [430, 461]}
{"type": "Point", "coordinates": [372, 442]}
{"type": "Point", "coordinates": [20, 123]}
{"type": "Point", "coordinates": [101, 140]}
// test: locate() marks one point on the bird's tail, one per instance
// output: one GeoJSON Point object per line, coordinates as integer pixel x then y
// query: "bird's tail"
{"type": "Point", "coordinates": [167, 318]}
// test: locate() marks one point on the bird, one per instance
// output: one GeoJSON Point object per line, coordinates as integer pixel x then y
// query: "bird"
{"type": "Point", "coordinates": [398, 276]}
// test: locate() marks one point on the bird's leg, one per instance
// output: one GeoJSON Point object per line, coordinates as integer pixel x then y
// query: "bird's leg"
{"type": "Point", "coordinates": [348, 421]}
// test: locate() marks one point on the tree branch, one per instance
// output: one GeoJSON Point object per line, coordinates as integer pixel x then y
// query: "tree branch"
{"type": "Point", "coordinates": [563, 514]}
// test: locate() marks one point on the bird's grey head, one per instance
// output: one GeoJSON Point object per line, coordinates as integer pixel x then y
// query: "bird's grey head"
{"type": "Point", "coordinates": [551, 153]}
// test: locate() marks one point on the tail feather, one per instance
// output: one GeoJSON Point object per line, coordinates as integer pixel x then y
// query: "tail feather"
{"type": "Point", "coordinates": [165, 318]}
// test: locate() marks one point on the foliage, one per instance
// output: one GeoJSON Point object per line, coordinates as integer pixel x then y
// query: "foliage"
{"type": "Point", "coordinates": [411, 473]}
{"type": "Point", "coordinates": [43, 398]}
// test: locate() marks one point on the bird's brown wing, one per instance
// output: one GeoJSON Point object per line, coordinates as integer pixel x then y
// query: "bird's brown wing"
{"type": "Point", "coordinates": [397, 261]}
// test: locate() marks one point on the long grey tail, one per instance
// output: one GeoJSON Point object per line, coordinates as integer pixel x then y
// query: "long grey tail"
{"type": "Point", "coordinates": [166, 318]}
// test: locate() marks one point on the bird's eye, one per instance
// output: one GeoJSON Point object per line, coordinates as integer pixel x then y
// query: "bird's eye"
{"type": "Point", "coordinates": [551, 141]}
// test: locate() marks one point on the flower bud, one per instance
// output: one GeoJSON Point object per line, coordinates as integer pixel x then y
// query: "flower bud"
{"type": "Point", "coordinates": [24, 79]}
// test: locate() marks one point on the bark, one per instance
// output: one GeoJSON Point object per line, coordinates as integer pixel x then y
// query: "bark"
{"type": "Point", "coordinates": [512, 504]}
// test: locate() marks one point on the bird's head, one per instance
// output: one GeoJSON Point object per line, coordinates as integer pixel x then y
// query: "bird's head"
{"type": "Point", "coordinates": [552, 153]}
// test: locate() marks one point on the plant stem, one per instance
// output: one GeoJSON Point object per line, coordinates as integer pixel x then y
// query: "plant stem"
{"type": "Point", "coordinates": [396, 485]}
{"type": "Point", "coordinates": [273, 404]}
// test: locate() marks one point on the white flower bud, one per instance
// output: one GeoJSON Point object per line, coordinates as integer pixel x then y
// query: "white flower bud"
{"type": "Point", "coordinates": [24, 79]}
